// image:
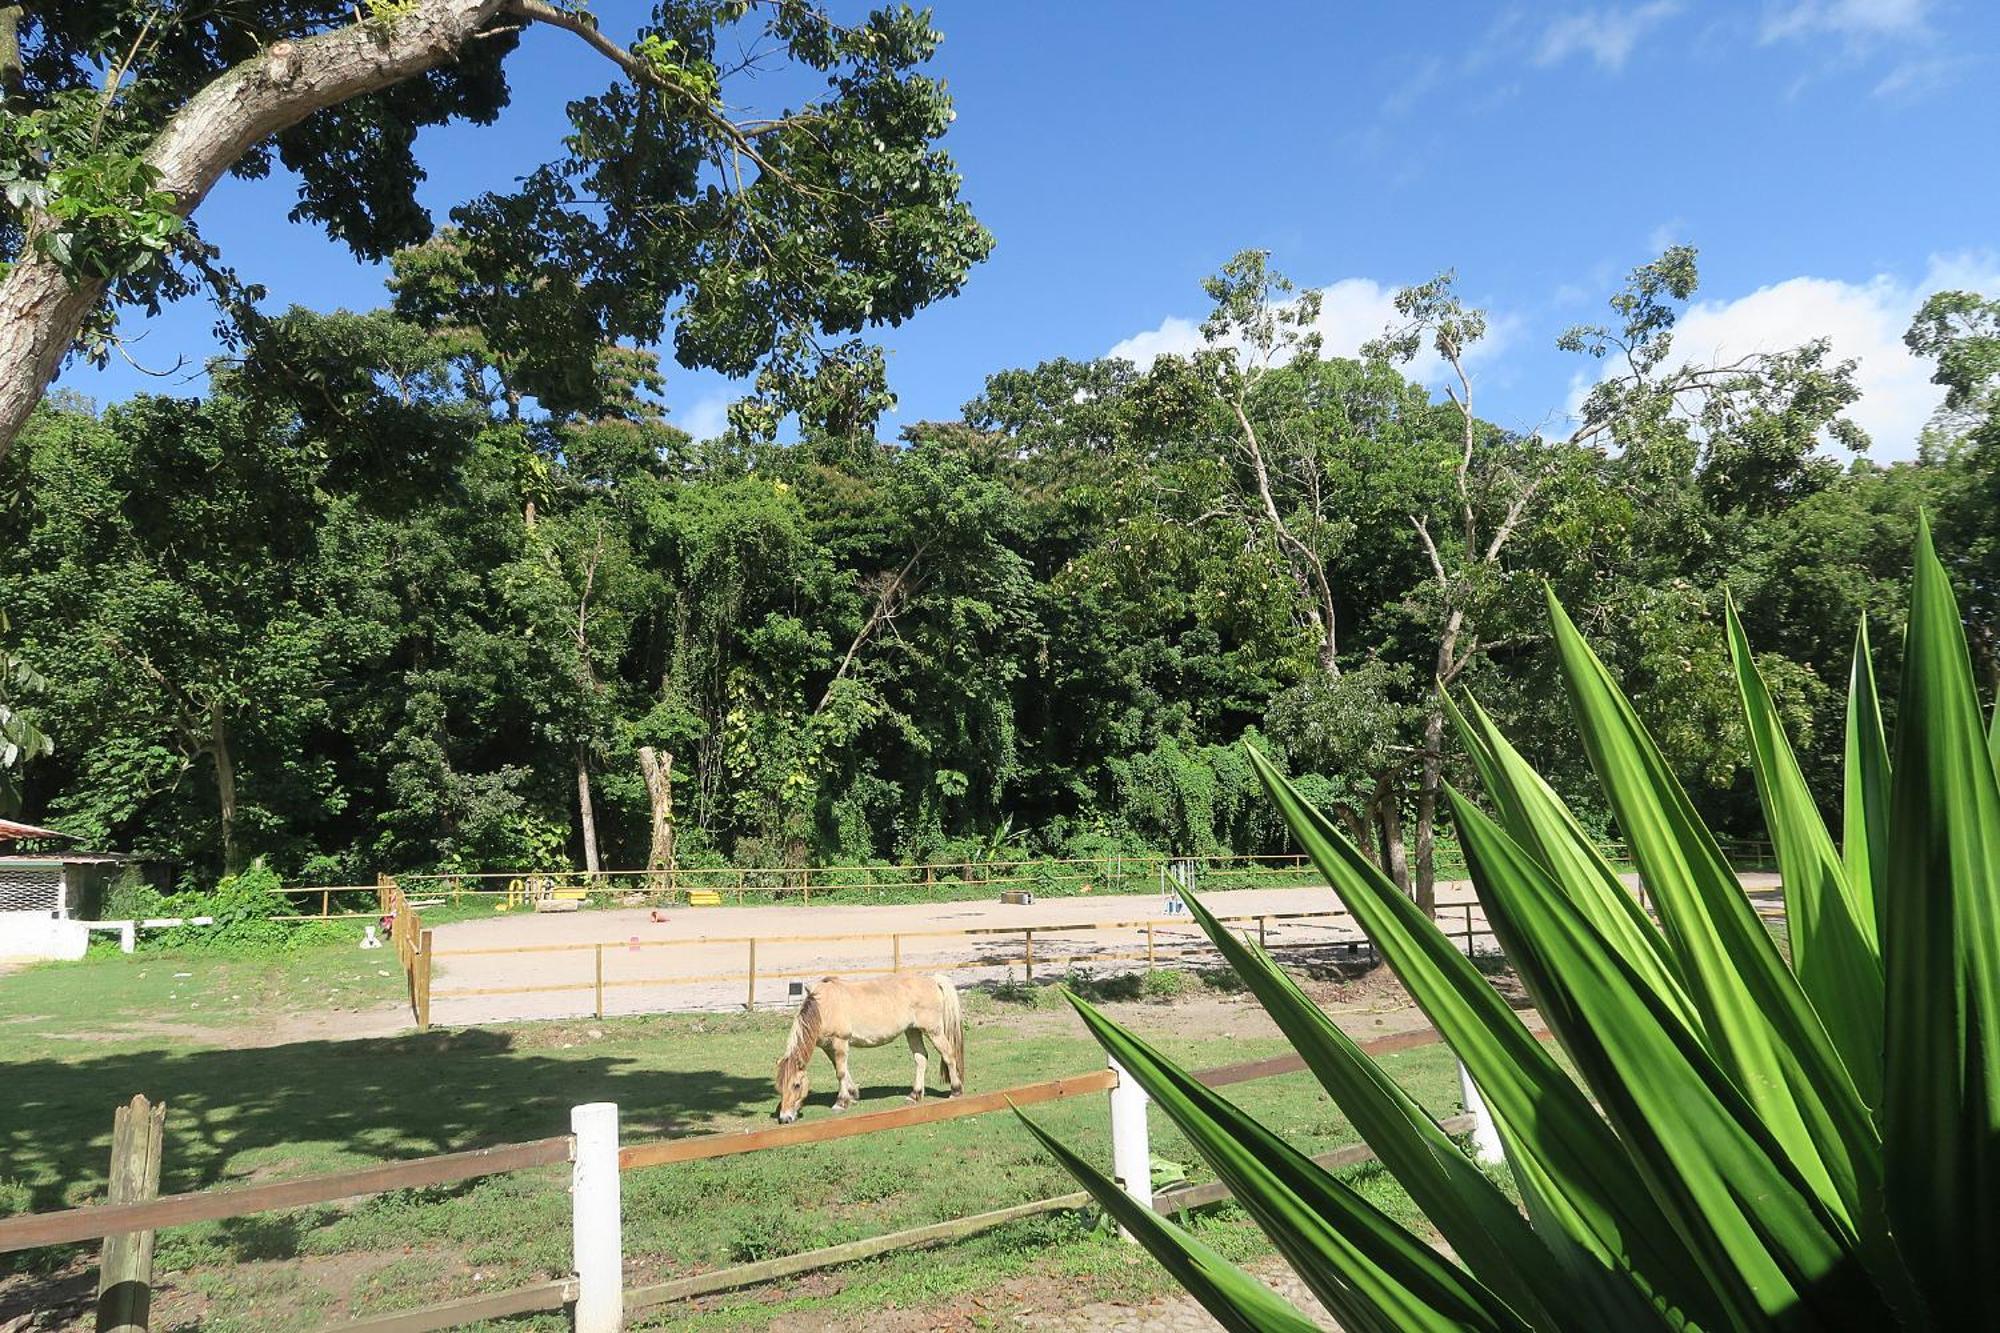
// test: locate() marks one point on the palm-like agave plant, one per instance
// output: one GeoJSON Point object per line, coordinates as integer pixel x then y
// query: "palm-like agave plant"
{"type": "Point", "coordinates": [1748, 1143]}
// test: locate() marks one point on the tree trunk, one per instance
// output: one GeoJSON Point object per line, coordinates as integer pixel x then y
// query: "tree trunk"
{"type": "Point", "coordinates": [1427, 800]}
{"type": "Point", "coordinates": [1431, 780]}
{"type": "Point", "coordinates": [41, 313]}
{"type": "Point", "coordinates": [659, 775]}
{"type": "Point", "coordinates": [1395, 859]}
{"type": "Point", "coordinates": [40, 316]}
{"type": "Point", "coordinates": [585, 810]}
{"type": "Point", "coordinates": [225, 787]}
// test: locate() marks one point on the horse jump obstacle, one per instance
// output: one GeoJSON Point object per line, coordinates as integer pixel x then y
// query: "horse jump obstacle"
{"type": "Point", "coordinates": [594, 1287]}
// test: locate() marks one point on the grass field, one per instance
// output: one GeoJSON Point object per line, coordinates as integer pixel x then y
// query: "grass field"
{"type": "Point", "coordinates": [75, 1040]}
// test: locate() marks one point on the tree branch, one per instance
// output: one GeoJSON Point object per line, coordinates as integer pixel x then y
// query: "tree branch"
{"type": "Point", "coordinates": [11, 69]}
{"type": "Point", "coordinates": [740, 142]}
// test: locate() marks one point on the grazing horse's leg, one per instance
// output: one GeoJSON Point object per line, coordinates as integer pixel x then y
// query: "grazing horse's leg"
{"type": "Point", "coordinates": [836, 1048]}
{"type": "Point", "coordinates": [916, 1039]}
{"type": "Point", "coordinates": [951, 1069]}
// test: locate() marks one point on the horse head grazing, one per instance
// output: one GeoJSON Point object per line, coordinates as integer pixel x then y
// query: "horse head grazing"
{"type": "Point", "coordinates": [794, 1067]}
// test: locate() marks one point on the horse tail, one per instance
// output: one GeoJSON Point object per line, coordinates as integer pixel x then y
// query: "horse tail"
{"type": "Point", "coordinates": [953, 1024]}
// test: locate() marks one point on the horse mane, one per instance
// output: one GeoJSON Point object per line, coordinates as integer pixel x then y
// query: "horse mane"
{"type": "Point", "coordinates": [805, 1036]}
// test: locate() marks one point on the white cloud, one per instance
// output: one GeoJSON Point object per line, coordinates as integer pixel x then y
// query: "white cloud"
{"type": "Point", "coordinates": [1174, 337]}
{"type": "Point", "coordinates": [1352, 311]}
{"type": "Point", "coordinates": [1918, 78]}
{"type": "Point", "coordinates": [1667, 234]}
{"type": "Point", "coordinates": [707, 417]}
{"type": "Point", "coordinates": [1607, 36]}
{"type": "Point", "coordinates": [1863, 320]}
{"type": "Point", "coordinates": [1852, 19]}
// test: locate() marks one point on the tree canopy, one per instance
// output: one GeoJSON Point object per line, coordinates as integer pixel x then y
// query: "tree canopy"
{"type": "Point", "coordinates": [377, 600]}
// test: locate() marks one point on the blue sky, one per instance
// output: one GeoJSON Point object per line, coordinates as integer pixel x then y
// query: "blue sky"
{"type": "Point", "coordinates": [1833, 160]}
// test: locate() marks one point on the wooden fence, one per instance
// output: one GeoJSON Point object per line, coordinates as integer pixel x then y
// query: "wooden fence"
{"type": "Point", "coordinates": [1051, 876]}
{"type": "Point", "coordinates": [411, 940]}
{"type": "Point", "coordinates": [594, 1287]}
{"type": "Point", "coordinates": [1182, 943]}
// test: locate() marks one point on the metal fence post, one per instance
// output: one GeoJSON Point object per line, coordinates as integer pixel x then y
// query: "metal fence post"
{"type": "Point", "coordinates": [597, 1246]}
{"type": "Point", "coordinates": [1485, 1138]}
{"type": "Point", "coordinates": [1131, 1154]}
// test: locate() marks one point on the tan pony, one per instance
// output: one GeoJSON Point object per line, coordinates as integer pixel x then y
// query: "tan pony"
{"type": "Point", "coordinates": [838, 1014]}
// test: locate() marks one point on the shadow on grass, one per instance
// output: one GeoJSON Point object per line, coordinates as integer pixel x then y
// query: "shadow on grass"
{"type": "Point", "coordinates": [239, 1116]}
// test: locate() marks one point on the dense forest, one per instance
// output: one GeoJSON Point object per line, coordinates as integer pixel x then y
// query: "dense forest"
{"type": "Point", "coordinates": [367, 605]}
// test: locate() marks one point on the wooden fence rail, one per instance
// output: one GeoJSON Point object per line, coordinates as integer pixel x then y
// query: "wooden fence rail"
{"type": "Point", "coordinates": [596, 1305]}
{"type": "Point", "coordinates": [32, 1230]}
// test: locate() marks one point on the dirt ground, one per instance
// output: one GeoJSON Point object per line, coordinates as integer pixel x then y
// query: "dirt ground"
{"type": "Point", "coordinates": [699, 958]}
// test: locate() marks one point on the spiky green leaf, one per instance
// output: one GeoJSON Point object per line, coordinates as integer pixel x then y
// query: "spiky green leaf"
{"type": "Point", "coordinates": [1761, 1028]}
{"type": "Point", "coordinates": [1865, 802]}
{"type": "Point", "coordinates": [1371, 1274]}
{"type": "Point", "coordinates": [1562, 1152]}
{"type": "Point", "coordinates": [1832, 935]}
{"type": "Point", "coordinates": [1941, 1101]}
{"type": "Point", "coordinates": [1769, 1247]}
{"type": "Point", "coordinates": [1481, 1224]}
{"type": "Point", "coordinates": [1238, 1301]}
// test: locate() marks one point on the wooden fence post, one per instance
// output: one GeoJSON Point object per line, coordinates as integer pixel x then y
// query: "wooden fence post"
{"type": "Point", "coordinates": [1131, 1155]}
{"type": "Point", "coordinates": [597, 1247]}
{"type": "Point", "coordinates": [750, 1000]}
{"type": "Point", "coordinates": [895, 953]}
{"type": "Point", "coordinates": [1468, 930]}
{"type": "Point", "coordinates": [125, 1270]}
{"type": "Point", "coordinates": [1260, 932]}
{"type": "Point", "coordinates": [423, 981]}
{"type": "Point", "coordinates": [1149, 946]}
{"type": "Point", "coordinates": [1028, 959]}
{"type": "Point", "coordinates": [1485, 1138]}
{"type": "Point", "coordinates": [600, 981]}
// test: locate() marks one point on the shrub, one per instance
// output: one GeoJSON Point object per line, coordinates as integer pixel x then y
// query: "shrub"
{"type": "Point", "coordinates": [1748, 1143]}
{"type": "Point", "coordinates": [242, 906]}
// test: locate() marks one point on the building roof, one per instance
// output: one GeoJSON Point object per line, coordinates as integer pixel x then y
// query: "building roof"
{"type": "Point", "coordinates": [13, 832]}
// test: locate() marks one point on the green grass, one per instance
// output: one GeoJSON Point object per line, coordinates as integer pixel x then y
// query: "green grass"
{"type": "Point", "coordinates": [249, 1114]}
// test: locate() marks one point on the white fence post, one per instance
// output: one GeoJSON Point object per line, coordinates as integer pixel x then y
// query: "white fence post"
{"type": "Point", "coordinates": [1485, 1138]}
{"type": "Point", "coordinates": [1131, 1153]}
{"type": "Point", "coordinates": [597, 1244]}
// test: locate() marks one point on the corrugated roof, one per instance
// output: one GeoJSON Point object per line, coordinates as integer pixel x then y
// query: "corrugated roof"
{"type": "Point", "coordinates": [11, 831]}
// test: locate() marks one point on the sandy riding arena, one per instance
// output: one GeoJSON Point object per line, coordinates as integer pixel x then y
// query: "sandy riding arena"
{"type": "Point", "coordinates": [548, 965]}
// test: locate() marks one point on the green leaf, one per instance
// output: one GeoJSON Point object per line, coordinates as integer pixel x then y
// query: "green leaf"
{"type": "Point", "coordinates": [1833, 936]}
{"type": "Point", "coordinates": [1865, 828]}
{"type": "Point", "coordinates": [1941, 1103]}
{"type": "Point", "coordinates": [1237, 1300]}
{"type": "Point", "coordinates": [1760, 1027]}
{"type": "Point", "coordinates": [1369, 1272]}
{"type": "Point", "coordinates": [1563, 1155]}
{"type": "Point", "coordinates": [1535, 817]}
{"type": "Point", "coordinates": [1480, 1223]}
{"type": "Point", "coordinates": [1769, 1246]}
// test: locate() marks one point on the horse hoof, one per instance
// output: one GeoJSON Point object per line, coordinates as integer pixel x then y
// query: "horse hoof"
{"type": "Point", "coordinates": [914, 1098]}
